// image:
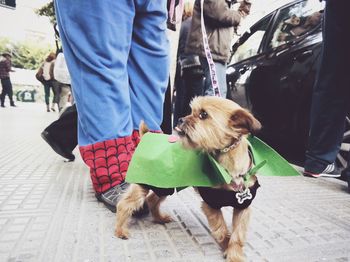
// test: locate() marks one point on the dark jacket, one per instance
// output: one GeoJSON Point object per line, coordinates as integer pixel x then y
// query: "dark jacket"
{"type": "Point", "coordinates": [185, 28]}
{"type": "Point", "coordinates": [5, 67]}
{"type": "Point", "coordinates": [219, 20]}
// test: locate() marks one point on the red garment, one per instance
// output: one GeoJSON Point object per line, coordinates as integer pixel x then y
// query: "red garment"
{"type": "Point", "coordinates": [108, 161]}
{"type": "Point", "coordinates": [135, 137]}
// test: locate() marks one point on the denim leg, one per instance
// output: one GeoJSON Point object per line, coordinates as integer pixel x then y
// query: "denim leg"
{"type": "Point", "coordinates": [6, 90]}
{"type": "Point", "coordinates": [47, 93]}
{"type": "Point", "coordinates": [96, 38]}
{"type": "Point", "coordinates": [55, 85]}
{"type": "Point", "coordinates": [3, 92]}
{"type": "Point", "coordinates": [10, 93]}
{"type": "Point", "coordinates": [117, 56]}
{"type": "Point", "coordinates": [221, 76]}
{"type": "Point", "coordinates": [148, 63]}
{"type": "Point", "coordinates": [221, 71]}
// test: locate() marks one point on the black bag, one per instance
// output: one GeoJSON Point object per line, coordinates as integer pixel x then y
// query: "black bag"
{"type": "Point", "coordinates": [65, 128]}
{"type": "Point", "coordinates": [191, 65]}
{"type": "Point", "coordinates": [39, 75]}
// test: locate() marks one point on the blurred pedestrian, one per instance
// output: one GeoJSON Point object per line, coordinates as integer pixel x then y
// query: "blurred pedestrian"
{"type": "Point", "coordinates": [189, 73]}
{"type": "Point", "coordinates": [62, 134]}
{"type": "Point", "coordinates": [117, 56]}
{"type": "Point", "coordinates": [331, 94]}
{"type": "Point", "coordinates": [220, 21]}
{"type": "Point", "coordinates": [5, 69]}
{"type": "Point", "coordinates": [45, 75]}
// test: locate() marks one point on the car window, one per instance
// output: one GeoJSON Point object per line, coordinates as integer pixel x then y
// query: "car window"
{"type": "Point", "coordinates": [248, 45]}
{"type": "Point", "coordinates": [295, 21]}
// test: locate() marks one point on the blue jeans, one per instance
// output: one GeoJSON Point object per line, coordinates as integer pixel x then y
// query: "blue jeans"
{"type": "Point", "coordinates": [6, 90]}
{"type": "Point", "coordinates": [117, 56]}
{"type": "Point", "coordinates": [221, 75]}
{"type": "Point", "coordinates": [48, 85]}
{"type": "Point", "coordinates": [331, 94]}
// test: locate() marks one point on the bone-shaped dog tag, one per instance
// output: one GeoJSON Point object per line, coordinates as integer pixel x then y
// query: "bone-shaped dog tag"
{"type": "Point", "coordinates": [243, 196]}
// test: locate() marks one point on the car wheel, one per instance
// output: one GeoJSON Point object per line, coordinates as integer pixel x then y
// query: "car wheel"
{"type": "Point", "coordinates": [344, 151]}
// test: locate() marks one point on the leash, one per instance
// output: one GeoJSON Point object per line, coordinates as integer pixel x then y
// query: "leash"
{"type": "Point", "coordinates": [212, 68]}
{"type": "Point", "coordinates": [253, 171]}
{"type": "Point", "coordinates": [248, 193]}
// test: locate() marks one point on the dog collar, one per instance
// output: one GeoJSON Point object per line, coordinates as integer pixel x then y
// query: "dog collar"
{"type": "Point", "coordinates": [232, 146]}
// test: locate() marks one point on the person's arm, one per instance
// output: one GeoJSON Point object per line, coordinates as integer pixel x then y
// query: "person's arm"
{"type": "Point", "coordinates": [218, 13]}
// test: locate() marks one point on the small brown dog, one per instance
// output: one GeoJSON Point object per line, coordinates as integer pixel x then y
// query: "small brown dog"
{"type": "Point", "coordinates": [219, 127]}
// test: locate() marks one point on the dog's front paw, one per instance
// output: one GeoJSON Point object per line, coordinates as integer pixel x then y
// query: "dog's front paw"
{"type": "Point", "coordinates": [121, 233]}
{"type": "Point", "coordinates": [234, 253]}
{"type": "Point", "coordinates": [222, 237]}
{"type": "Point", "coordinates": [163, 219]}
{"type": "Point", "coordinates": [224, 243]}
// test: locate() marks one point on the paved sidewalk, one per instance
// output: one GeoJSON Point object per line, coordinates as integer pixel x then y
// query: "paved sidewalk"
{"type": "Point", "coordinates": [48, 211]}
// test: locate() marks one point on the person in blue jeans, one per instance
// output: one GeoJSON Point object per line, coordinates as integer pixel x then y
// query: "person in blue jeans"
{"type": "Point", "coordinates": [117, 57]}
{"type": "Point", "coordinates": [220, 21]}
{"type": "Point", "coordinates": [331, 94]}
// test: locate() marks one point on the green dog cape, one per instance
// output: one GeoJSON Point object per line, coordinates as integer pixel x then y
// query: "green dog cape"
{"type": "Point", "coordinates": [162, 163]}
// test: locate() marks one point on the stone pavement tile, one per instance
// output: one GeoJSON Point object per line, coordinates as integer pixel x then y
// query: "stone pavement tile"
{"type": "Point", "coordinates": [48, 212]}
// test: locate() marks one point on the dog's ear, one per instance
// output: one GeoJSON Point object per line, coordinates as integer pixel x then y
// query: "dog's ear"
{"type": "Point", "coordinates": [143, 128]}
{"type": "Point", "coordinates": [245, 121]}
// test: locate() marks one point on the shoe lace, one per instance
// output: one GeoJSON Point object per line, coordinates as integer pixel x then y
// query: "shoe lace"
{"type": "Point", "coordinates": [330, 168]}
{"type": "Point", "coordinates": [120, 189]}
{"type": "Point", "coordinates": [123, 187]}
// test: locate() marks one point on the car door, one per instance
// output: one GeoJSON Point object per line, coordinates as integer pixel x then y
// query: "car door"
{"type": "Point", "coordinates": [246, 56]}
{"type": "Point", "coordinates": [292, 53]}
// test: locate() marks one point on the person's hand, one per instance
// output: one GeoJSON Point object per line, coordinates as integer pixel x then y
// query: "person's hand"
{"type": "Point", "coordinates": [244, 8]}
{"type": "Point", "coordinates": [282, 37]}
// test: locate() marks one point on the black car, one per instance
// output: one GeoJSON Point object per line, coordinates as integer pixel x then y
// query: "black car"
{"type": "Point", "coordinates": [272, 71]}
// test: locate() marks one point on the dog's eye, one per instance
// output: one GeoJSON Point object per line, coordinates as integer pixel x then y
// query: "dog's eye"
{"type": "Point", "coordinates": [203, 115]}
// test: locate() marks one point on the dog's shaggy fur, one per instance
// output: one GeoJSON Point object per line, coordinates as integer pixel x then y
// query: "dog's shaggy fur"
{"type": "Point", "coordinates": [214, 125]}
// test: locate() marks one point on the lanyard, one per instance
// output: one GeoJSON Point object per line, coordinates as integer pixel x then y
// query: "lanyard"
{"type": "Point", "coordinates": [212, 69]}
